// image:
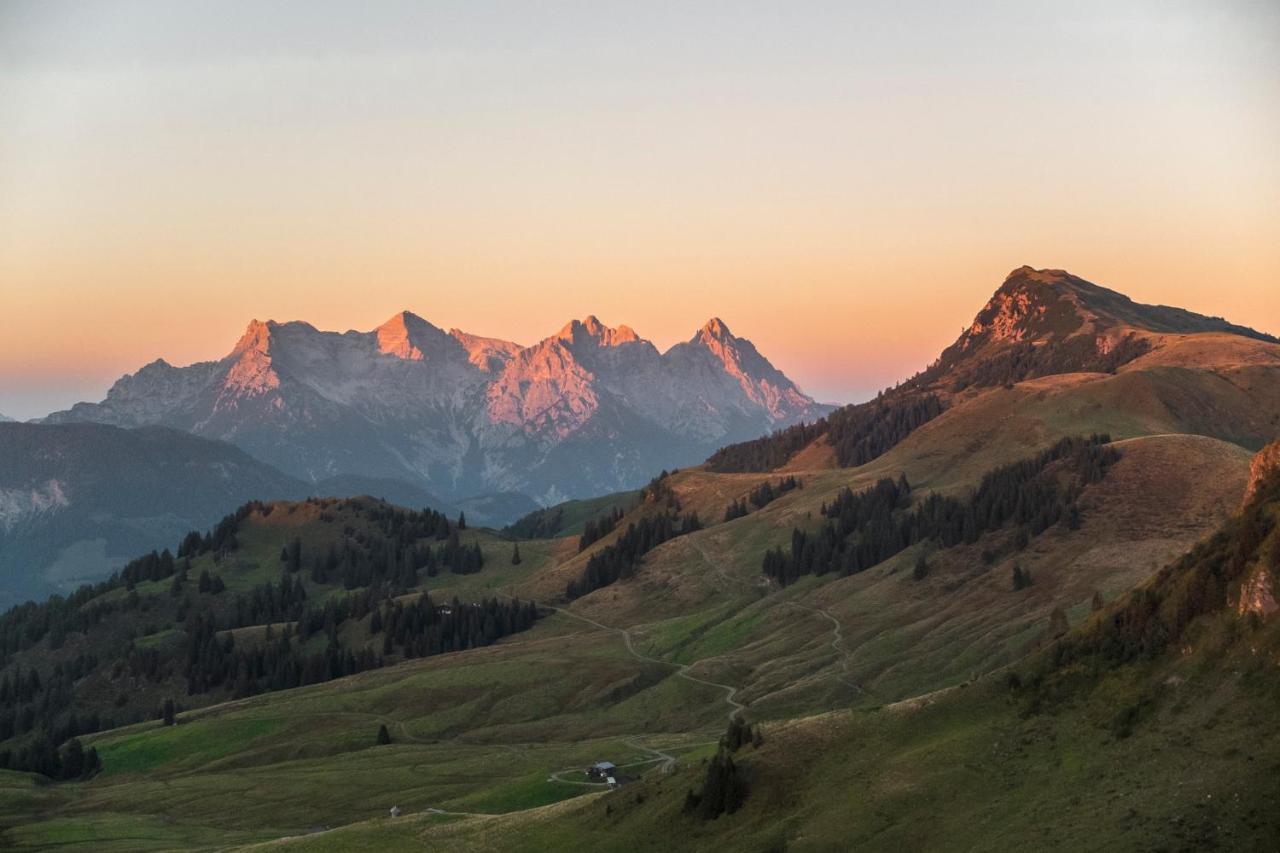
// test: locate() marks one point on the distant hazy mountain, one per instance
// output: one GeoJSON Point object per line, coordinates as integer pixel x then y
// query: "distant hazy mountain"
{"type": "Point", "coordinates": [79, 500]}
{"type": "Point", "coordinates": [588, 410]}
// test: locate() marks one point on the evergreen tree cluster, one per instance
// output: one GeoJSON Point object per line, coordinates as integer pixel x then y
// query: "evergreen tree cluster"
{"type": "Point", "coordinates": [423, 628]}
{"type": "Point", "coordinates": [1021, 578]}
{"type": "Point", "coordinates": [739, 734]}
{"type": "Point", "coordinates": [857, 433]}
{"type": "Point", "coordinates": [597, 528]}
{"type": "Point", "coordinates": [737, 508]}
{"type": "Point", "coordinates": [44, 757]}
{"type": "Point", "coordinates": [767, 452]}
{"type": "Point", "coordinates": [760, 497]}
{"type": "Point", "coordinates": [765, 493]}
{"type": "Point", "coordinates": [619, 559]}
{"type": "Point", "coordinates": [48, 698]}
{"type": "Point", "coordinates": [724, 789]}
{"type": "Point", "coordinates": [394, 558]}
{"type": "Point", "coordinates": [150, 567]}
{"type": "Point", "coordinates": [279, 662]}
{"type": "Point", "coordinates": [545, 523]}
{"type": "Point", "coordinates": [1025, 360]}
{"type": "Point", "coordinates": [868, 527]}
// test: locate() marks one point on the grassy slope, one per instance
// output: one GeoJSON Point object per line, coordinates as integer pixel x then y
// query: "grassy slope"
{"type": "Point", "coordinates": [1048, 764]}
{"type": "Point", "coordinates": [481, 730]}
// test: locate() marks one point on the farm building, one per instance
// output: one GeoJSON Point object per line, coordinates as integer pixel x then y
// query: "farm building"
{"type": "Point", "coordinates": [601, 771]}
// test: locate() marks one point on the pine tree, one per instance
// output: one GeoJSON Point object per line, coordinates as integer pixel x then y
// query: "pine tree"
{"type": "Point", "coordinates": [462, 520]}
{"type": "Point", "coordinates": [1021, 578]}
{"type": "Point", "coordinates": [1058, 624]}
{"type": "Point", "coordinates": [515, 554]}
{"type": "Point", "coordinates": [384, 736]}
{"type": "Point", "coordinates": [92, 763]}
{"type": "Point", "coordinates": [167, 712]}
{"type": "Point", "coordinates": [1097, 602]}
{"type": "Point", "coordinates": [921, 571]}
{"type": "Point", "coordinates": [73, 760]}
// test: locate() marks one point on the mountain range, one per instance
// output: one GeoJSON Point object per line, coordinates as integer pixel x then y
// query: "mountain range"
{"type": "Point", "coordinates": [1025, 599]}
{"type": "Point", "coordinates": [588, 410]}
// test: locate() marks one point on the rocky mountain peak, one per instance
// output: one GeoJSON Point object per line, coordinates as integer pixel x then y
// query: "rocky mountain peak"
{"type": "Point", "coordinates": [408, 336]}
{"type": "Point", "coordinates": [714, 330]}
{"type": "Point", "coordinates": [591, 330]}
{"type": "Point", "coordinates": [252, 373]}
{"type": "Point", "coordinates": [257, 336]}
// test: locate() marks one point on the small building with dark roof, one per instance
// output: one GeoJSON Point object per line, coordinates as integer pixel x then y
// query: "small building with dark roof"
{"type": "Point", "coordinates": [601, 771]}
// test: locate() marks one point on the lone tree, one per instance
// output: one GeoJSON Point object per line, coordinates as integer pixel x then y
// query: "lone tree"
{"type": "Point", "coordinates": [723, 790]}
{"type": "Point", "coordinates": [921, 571]}
{"type": "Point", "coordinates": [167, 712]}
{"type": "Point", "coordinates": [384, 736]}
{"type": "Point", "coordinates": [515, 554]}
{"type": "Point", "coordinates": [1021, 578]}
{"type": "Point", "coordinates": [462, 521]}
{"type": "Point", "coordinates": [1058, 624]}
{"type": "Point", "coordinates": [1097, 601]}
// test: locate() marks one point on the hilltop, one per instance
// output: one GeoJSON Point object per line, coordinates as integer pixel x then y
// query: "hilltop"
{"type": "Point", "coordinates": [77, 501]}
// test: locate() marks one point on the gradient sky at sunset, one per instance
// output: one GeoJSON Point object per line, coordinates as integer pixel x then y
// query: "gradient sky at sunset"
{"type": "Point", "coordinates": [843, 183]}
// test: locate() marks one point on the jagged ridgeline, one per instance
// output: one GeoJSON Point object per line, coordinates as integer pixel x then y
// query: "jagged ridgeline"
{"type": "Point", "coordinates": [866, 528]}
{"type": "Point", "coordinates": [247, 607]}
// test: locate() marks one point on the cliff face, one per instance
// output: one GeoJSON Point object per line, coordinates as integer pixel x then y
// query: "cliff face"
{"type": "Point", "coordinates": [1258, 590]}
{"type": "Point", "coordinates": [1265, 464]}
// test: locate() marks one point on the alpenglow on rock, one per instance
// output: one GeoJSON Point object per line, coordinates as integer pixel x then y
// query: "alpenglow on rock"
{"type": "Point", "coordinates": [588, 410]}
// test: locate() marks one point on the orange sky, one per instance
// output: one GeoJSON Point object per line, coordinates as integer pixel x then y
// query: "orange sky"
{"type": "Point", "coordinates": [845, 187]}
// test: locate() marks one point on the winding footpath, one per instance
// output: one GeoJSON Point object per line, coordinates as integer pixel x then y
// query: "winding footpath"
{"type": "Point", "coordinates": [837, 632]}
{"type": "Point", "coordinates": [682, 669]}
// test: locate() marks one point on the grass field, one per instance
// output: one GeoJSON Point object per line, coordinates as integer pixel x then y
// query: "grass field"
{"type": "Point", "coordinates": [486, 743]}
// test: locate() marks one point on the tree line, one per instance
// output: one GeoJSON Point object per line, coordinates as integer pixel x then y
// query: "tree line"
{"type": "Point", "coordinates": [857, 433]}
{"type": "Point", "coordinates": [597, 528]}
{"type": "Point", "coordinates": [865, 528]}
{"type": "Point", "coordinates": [760, 497]}
{"type": "Point", "coordinates": [45, 704]}
{"type": "Point", "coordinates": [619, 559]}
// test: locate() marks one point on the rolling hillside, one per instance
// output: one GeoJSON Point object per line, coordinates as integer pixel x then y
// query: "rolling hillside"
{"type": "Point", "coordinates": [988, 678]}
{"type": "Point", "coordinates": [77, 501]}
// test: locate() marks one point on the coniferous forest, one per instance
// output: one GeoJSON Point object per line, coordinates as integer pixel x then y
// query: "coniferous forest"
{"type": "Point", "coordinates": [331, 613]}
{"type": "Point", "coordinates": [866, 528]}
{"type": "Point", "coordinates": [619, 558]}
{"type": "Point", "coordinates": [857, 434]}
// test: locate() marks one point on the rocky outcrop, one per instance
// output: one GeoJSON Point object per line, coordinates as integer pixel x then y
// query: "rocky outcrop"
{"type": "Point", "coordinates": [1257, 594]}
{"type": "Point", "coordinates": [1266, 464]}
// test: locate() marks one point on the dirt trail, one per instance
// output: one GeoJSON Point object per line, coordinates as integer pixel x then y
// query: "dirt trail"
{"type": "Point", "coordinates": [837, 639]}
{"type": "Point", "coordinates": [682, 669]}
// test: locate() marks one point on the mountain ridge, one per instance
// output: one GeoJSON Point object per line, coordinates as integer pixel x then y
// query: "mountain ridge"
{"type": "Point", "coordinates": [466, 414]}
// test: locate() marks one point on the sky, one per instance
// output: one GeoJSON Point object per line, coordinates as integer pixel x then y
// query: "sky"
{"type": "Point", "coordinates": [843, 183]}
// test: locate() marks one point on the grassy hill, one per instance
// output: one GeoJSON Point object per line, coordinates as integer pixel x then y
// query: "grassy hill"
{"type": "Point", "coordinates": [883, 693]}
{"type": "Point", "coordinates": [1109, 738]}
